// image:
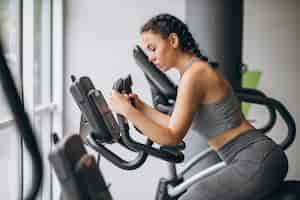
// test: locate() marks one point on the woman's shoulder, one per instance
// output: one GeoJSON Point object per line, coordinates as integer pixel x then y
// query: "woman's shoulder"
{"type": "Point", "coordinates": [195, 78]}
{"type": "Point", "coordinates": [204, 78]}
{"type": "Point", "coordinates": [200, 72]}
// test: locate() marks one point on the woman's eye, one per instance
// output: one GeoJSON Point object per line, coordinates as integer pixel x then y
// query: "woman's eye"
{"type": "Point", "coordinates": [151, 48]}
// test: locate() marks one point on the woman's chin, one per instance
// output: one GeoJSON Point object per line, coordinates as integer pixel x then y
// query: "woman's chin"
{"type": "Point", "coordinates": [162, 68]}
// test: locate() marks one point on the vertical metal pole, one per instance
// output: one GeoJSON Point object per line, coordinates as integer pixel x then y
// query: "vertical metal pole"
{"type": "Point", "coordinates": [217, 26]}
{"type": "Point", "coordinates": [57, 53]}
{"type": "Point", "coordinates": [172, 171]}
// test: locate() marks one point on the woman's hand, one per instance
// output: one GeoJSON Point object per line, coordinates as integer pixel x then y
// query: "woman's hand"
{"type": "Point", "coordinates": [138, 103]}
{"type": "Point", "coordinates": [119, 103]}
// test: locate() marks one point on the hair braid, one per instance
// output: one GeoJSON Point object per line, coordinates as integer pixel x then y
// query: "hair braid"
{"type": "Point", "coordinates": [165, 24]}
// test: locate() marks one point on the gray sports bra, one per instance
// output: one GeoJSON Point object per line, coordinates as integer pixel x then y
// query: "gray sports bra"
{"type": "Point", "coordinates": [218, 117]}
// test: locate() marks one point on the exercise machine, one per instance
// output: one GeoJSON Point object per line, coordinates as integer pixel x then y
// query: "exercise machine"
{"type": "Point", "coordinates": [99, 127]}
{"type": "Point", "coordinates": [163, 92]}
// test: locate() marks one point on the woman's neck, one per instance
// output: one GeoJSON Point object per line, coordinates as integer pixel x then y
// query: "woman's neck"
{"type": "Point", "coordinates": [183, 61]}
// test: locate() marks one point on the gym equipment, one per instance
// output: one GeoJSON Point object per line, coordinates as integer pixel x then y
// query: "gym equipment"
{"type": "Point", "coordinates": [94, 107]}
{"type": "Point", "coordinates": [70, 161]}
{"type": "Point", "coordinates": [164, 91]}
{"type": "Point", "coordinates": [168, 189]}
{"type": "Point", "coordinates": [69, 158]}
{"type": "Point", "coordinates": [77, 171]}
{"type": "Point", "coordinates": [161, 86]}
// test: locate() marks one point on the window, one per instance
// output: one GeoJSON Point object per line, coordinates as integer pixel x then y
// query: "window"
{"type": "Point", "coordinates": [33, 48]}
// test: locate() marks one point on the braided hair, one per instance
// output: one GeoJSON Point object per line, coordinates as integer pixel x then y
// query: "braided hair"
{"type": "Point", "coordinates": [165, 24]}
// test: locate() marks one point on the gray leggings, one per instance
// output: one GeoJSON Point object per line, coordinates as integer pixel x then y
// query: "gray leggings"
{"type": "Point", "coordinates": [255, 167]}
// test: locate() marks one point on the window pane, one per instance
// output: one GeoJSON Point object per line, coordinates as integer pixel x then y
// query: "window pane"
{"type": "Point", "coordinates": [42, 86]}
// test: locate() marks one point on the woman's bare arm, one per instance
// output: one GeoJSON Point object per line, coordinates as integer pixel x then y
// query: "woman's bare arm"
{"type": "Point", "coordinates": [155, 115]}
{"type": "Point", "coordinates": [172, 131]}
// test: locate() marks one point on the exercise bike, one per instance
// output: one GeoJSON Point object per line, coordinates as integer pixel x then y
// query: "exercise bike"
{"type": "Point", "coordinates": [103, 129]}
{"type": "Point", "coordinates": [164, 93]}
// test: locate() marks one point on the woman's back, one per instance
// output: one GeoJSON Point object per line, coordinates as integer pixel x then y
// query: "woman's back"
{"type": "Point", "coordinates": [219, 111]}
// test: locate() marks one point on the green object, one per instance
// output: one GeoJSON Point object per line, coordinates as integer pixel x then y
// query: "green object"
{"type": "Point", "coordinates": [250, 79]}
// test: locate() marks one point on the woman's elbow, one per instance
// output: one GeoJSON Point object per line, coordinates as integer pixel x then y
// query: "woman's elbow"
{"type": "Point", "coordinates": [172, 140]}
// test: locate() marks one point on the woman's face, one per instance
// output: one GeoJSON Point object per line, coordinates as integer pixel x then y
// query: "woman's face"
{"type": "Point", "coordinates": [160, 51]}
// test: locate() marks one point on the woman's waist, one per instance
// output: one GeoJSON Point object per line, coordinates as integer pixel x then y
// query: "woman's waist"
{"type": "Point", "coordinates": [222, 139]}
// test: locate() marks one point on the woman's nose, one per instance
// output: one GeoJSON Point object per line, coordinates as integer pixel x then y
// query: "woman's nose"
{"type": "Point", "coordinates": [151, 58]}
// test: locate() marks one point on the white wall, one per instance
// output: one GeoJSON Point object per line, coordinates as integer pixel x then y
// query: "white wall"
{"type": "Point", "coordinates": [271, 45]}
{"type": "Point", "coordinates": [100, 36]}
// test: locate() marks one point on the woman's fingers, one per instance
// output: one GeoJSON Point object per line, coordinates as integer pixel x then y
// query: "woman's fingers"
{"type": "Point", "coordinates": [133, 95]}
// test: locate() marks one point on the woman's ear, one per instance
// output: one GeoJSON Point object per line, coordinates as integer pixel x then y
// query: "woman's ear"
{"type": "Point", "coordinates": [174, 40]}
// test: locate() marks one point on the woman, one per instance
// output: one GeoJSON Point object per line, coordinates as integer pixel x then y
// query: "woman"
{"type": "Point", "coordinates": [206, 103]}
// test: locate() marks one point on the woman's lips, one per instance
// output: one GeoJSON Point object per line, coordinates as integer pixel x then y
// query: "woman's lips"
{"type": "Point", "coordinates": [158, 66]}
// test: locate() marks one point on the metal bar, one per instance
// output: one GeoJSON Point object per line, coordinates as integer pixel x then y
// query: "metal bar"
{"type": "Point", "coordinates": [45, 108]}
{"type": "Point", "coordinates": [6, 123]}
{"type": "Point", "coordinates": [186, 184]}
{"type": "Point", "coordinates": [194, 161]}
{"type": "Point", "coordinates": [57, 25]}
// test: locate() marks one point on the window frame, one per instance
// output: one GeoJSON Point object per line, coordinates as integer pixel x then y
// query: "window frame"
{"type": "Point", "coordinates": [44, 52]}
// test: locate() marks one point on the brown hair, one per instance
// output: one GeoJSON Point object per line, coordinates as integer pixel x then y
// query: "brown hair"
{"type": "Point", "coordinates": [165, 24]}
